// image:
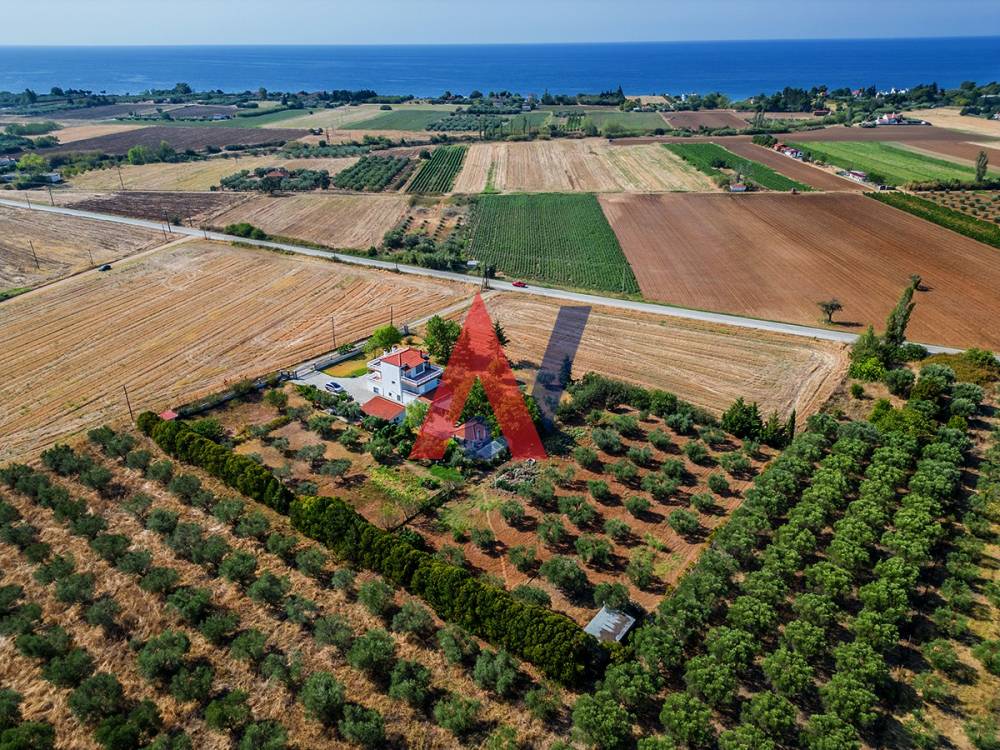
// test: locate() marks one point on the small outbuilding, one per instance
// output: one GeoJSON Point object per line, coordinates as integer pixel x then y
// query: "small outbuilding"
{"type": "Point", "coordinates": [383, 408]}
{"type": "Point", "coordinates": [609, 625]}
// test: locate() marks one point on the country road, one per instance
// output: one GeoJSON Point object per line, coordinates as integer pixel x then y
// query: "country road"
{"type": "Point", "coordinates": [653, 308]}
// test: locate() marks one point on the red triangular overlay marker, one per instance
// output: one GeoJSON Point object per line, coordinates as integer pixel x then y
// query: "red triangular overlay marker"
{"type": "Point", "coordinates": [478, 354]}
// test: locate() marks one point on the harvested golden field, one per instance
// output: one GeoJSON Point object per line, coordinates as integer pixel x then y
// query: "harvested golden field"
{"type": "Point", "coordinates": [708, 365]}
{"type": "Point", "coordinates": [576, 165]}
{"type": "Point", "coordinates": [335, 118]}
{"type": "Point", "coordinates": [775, 256]}
{"type": "Point", "coordinates": [194, 175]}
{"type": "Point", "coordinates": [63, 244]}
{"type": "Point", "coordinates": [332, 220]}
{"type": "Point", "coordinates": [707, 118]}
{"type": "Point", "coordinates": [950, 117]}
{"type": "Point", "coordinates": [178, 324]}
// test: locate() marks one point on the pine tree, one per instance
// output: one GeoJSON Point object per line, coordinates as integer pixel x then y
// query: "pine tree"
{"type": "Point", "coordinates": [982, 164]}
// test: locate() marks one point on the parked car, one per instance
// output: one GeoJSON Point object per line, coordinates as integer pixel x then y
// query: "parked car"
{"type": "Point", "coordinates": [519, 284]}
{"type": "Point", "coordinates": [105, 267]}
{"type": "Point", "coordinates": [334, 387]}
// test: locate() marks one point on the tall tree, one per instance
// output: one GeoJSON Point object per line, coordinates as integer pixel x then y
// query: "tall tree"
{"type": "Point", "coordinates": [441, 337]}
{"type": "Point", "coordinates": [899, 318]}
{"type": "Point", "coordinates": [982, 164]}
{"type": "Point", "coordinates": [501, 334]}
{"type": "Point", "coordinates": [382, 339]}
{"type": "Point", "coordinates": [829, 307]}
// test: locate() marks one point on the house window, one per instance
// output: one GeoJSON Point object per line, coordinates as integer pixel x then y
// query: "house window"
{"type": "Point", "coordinates": [375, 389]}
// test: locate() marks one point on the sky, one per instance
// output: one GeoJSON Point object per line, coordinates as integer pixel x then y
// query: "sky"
{"type": "Point", "coordinates": [148, 22]}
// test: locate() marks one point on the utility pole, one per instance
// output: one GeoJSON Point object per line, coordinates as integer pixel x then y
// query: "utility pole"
{"type": "Point", "coordinates": [333, 327]}
{"type": "Point", "coordinates": [51, 200]}
{"type": "Point", "coordinates": [34, 254]}
{"type": "Point", "coordinates": [91, 257]}
{"type": "Point", "coordinates": [28, 198]}
{"type": "Point", "coordinates": [128, 403]}
{"type": "Point", "coordinates": [120, 179]}
{"type": "Point", "coordinates": [167, 219]}
{"type": "Point", "coordinates": [390, 315]}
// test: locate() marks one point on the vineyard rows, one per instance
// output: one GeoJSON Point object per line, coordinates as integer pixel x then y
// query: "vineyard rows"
{"type": "Point", "coordinates": [552, 237]}
{"type": "Point", "coordinates": [372, 173]}
{"type": "Point", "coordinates": [438, 174]}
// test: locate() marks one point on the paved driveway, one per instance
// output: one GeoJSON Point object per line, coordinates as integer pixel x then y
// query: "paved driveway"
{"type": "Point", "coordinates": [356, 388]}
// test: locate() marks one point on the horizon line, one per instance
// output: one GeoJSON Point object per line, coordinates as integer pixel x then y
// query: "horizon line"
{"type": "Point", "coordinates": [98, 45]}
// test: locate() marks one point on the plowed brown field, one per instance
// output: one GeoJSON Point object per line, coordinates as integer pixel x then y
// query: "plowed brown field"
{"type": "Point", "coordinates": [338, 221]}
{"type": "Point", "coordinates": [178, 324]}
{"type": "Point", "coordinates": [63, 244]}
{"type": "Point", "coordinates": [181, 138]}
{"type": "Point", "coordinates": [576, 165]}
{"type": "Point", "coordinates": [776, 256]}
{"type": "Point", "coordinates": [708, 365]}
{"type": "Point", "coordinates": [807, 174]}
{"type": "Point", "coordinates": [706, 118]}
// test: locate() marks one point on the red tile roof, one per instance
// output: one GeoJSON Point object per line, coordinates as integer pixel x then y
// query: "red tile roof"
{"type": "Point", "coordinates": [409, 357]}
{"type": "Point", "coordinates": [169, 415]}
{"type": "Point", "coordinates": [383, 408]}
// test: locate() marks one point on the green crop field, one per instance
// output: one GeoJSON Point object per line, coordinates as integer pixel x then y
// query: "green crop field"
{"type": "Point", "coordinates": [885, 163]}
{"type": "Point", "coordinates": [709, 158]}
{"type": "Point", "coordinates": [402, 119]}
{"type": "Point", "coordinates": [632, 122]}
{"type": "Point", "coordinates": [555, 238]}
{"type": "Point", "coordinates": [438, 173]}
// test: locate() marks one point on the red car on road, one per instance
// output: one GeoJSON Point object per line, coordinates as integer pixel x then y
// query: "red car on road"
{"type": "Point", "coordinates": [519, 284]}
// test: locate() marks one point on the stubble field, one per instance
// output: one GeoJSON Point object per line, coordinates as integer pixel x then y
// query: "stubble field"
{"type": "Point", "coordinates": [776, 256]}
{"type": "Point", "coordinates": [950, 117]}
{"type": "Point", "coordinates": [63, 244]}
{"type": "Point", "coordinates": [332, 220]}
{"type": "Point", "coordinates": [195, 175]}
{"type": "Point", "coordinates": [575, 166]}
{"type": "Point", "coordinates": [708, 365]}
{"type": "Point", "coordinates": [179, 324]}
{"type": "Point", "coordinates": [707, 118]}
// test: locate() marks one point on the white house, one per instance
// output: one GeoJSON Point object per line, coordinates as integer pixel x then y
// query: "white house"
{"type": "Point", "coordinates": [403, 375]}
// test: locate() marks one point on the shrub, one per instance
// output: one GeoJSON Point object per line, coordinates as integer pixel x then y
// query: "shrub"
{"type": "Point", "coordinates": [162, 656]}
{"type": "Point", "coordinates": [456, 645]}
{"type": "Point", "coordinates": [593, 550]}
{"type": "Point", "coordinates": [264, 735]}
{"type": "Point", "coordinates": [696, 452]}
{"type": "Point", "coordinates": [602, 721]}
{"type": "Point", "coordinates": [377, 597]}
{"type": "Point", "coordinates": [70, 669]}
{"type": "Point", "coordinates": [269, 589]}
{"type": "Point", "coordinates": [97, 698]}
{"type": "Point", "coordinates": [159, 580]}
{"type": "Point", "coordinates": [333, 630]}
{"type": "Point", "coordinates": [457, 714]}
{"type": "Point", "coordinates": [531, 595]}
{"type": "Point", "coordinates": [512, 512]}
{"type": "Point", "coordinates": [362, 726]}
{"type": "Point", "coordinates": [312, 562]}
{"type": "Point", "coordinates": [249, 646]}
{"type": "Point", "coordinates": [684, 523]}
{"type": "Point", "coordinates": [900, 382]}
{"type": "Point", "coordinates": [192, 683]}
{"type": "Point", "coordinates": [496, 671]}
{"type": "Point", "coordinates": [413, 619]}
{"type": "Point", "coordinates": [228, 712]}
{"type": "Point", "coordinates": [252, 525]}
{"type": "Point", "coordinates": [637, 505]}
{"type": "Point", "coordinates": [599, 490]}
{"type": "Point", "coordinates": [239, 567]}
{"type": "Point", "coordinates": [374, 652]}
{"type": "Point", "coordinates": [687, 720]}
{"type": "Point", "coordinates": [611, 595]}
{"type": "Point", "coordinates": [563, 573]}
{"type": "Point", "coordinates": [616, 529]}
{"type": "Point", "coordinates": [640, 568]}
{"type": "Point", "coordinates": [322, 696]}
{"type": "Point", "coordinates": [586, 457]}
{"type": "Point", "coordinates": [718, 484]}
{"type": "Point", "coordinates": [410, 682]}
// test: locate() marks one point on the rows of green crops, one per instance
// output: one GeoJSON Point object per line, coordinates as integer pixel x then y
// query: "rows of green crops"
{"type": "Point", "coordinates": [438, 173]}
{"type": "Point", "coordinates": [371, 173]}
{"type": "Point", "coordinates": [885, 163]}
{"type": "Point", "coordinates": [709, 158]}
{"type": "Point", "coordinates": [556, 238]}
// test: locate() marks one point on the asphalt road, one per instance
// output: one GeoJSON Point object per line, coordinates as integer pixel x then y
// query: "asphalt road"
{"type": "Point", "coordinates": [506, 286]}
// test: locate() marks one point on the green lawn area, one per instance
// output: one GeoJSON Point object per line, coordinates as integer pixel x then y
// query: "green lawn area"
{"type": "Point", "coordinates": [556, 238]}
{"type": "Point", "coordinates": [886, 163]}
{"type": "Point", "coordinates": [349, 368]}
{"type": "Point", "coordinates": [402, 119]}
{"type": "Point", "coordinates": [710, 158]}
{"type": "Point", "coordinates": [628, 121]}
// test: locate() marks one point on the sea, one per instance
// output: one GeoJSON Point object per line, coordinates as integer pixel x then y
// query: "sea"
{"type": "Point", "coordinates": [736, 68]}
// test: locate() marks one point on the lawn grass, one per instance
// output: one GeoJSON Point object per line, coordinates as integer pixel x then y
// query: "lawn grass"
{"type": "Point", "coordinates": [349, 368]}
{"type": "Point", "coordinates": [948, 218]}
{"type": "Point", "coordinates": [710, 158]}
{"type": "Point", "coordinates": [555, 238]}
{"type": "Point", "coordinates": [886, 164]}
{"type": "Point", "coordinates": [401, 119]}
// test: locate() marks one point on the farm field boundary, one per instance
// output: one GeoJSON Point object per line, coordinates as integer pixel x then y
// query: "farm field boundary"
{"type": "Point", "coordinates": [813, 176]}
{"type": "Point", "coordinates": [886, 163]}
{"type": "Point", "coordinates": [558, 238]}
{"type": "Point", "coordinates": [705, 157]}
{"type": "Point", "coordinates": [654, 308]}
{"type": "Point", "coordinates": [942, 216]}
{"type": "Point", "coordinates": [437, 174]}
{"type": "Point", "coordinates": [776, 256]}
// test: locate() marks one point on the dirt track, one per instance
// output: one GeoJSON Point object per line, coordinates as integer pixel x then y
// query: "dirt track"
{"type": "Point", "coordinates": [776, 256]}
{"type": "Point", "coordinates": [814, 177]}
{"type": "Point", "coordinates": [178, 324]}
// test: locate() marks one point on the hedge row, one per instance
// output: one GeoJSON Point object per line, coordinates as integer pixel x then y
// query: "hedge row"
{"type": "Point", "coordinates": [550, 641]}
{"type": "Point", "coordinates": [239, 472]}
{"type": "Point", "coordinates": [943, 216]}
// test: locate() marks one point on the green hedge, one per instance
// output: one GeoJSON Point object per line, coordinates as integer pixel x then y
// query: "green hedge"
{"type": "Point", "coordinates": [550, 641]}
{"type": "Point", "coordinates": [239, 472]}
{"type": "Point", "coordinates": [943, 216]}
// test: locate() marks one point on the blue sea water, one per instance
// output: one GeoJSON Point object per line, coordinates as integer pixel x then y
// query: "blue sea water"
{"type": "Point", "coordinates": [737, 68]}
